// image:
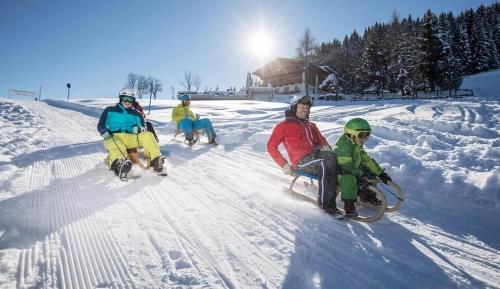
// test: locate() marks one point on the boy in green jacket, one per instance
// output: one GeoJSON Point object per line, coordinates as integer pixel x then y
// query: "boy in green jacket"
{"type": "Point", "coordinates": [353, 163]}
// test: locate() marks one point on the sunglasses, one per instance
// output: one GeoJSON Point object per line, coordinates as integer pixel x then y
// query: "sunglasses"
{"type": "Point", "coordinates": [363, 135]}
{"type": "Point", "coordinates": [126, 98]}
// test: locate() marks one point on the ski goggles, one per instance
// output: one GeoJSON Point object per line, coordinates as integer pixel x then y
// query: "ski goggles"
{"type": "Point", "coordinates": [126, 98]}
{"type": "Point", "coordinates": [363, 135]}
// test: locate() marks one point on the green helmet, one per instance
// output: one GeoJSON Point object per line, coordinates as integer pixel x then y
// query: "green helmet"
{"type": "Point", "coordinates": [358, 127]}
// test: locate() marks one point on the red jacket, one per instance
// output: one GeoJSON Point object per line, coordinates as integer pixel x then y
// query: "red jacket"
{"type": "Point", "coordinates": [299, 139]}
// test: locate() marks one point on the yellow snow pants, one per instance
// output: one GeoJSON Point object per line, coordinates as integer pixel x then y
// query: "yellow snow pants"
{"type": "Point", "coordinates": [118, 144]}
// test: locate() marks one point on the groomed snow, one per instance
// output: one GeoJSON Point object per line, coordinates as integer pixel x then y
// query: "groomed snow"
{"type": "Point", "coordinates": [221, 219]}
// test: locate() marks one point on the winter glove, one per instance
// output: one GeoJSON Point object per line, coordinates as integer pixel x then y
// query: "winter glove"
{"type": "Point", "coordinates": [137, 129]}
{"type": "Point", "coordinates": [287, 169]}
{"type": "Point", "coordinates": [197, 116]}
{"type": "Point", "coordinates": [107, 135]}
{"type": "Point", "coordinates": [326, 148]}
{"type": "Point", "coordinates": [384, 177]}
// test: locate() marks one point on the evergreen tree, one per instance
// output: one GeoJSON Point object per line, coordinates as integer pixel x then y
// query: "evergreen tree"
{"type": "Point", "coordinates": [395, 44]}
{"type": "Point", "coordinates": [481, 46]}
{"type": "Point", "coordinates": [494, 23]}
{"type": "Point", "coordinates": [487, 39]}
{"type": "Point", "coordinates": [353, 50]}
{"type": "Point", "coordinates": [401, 61]}
{"type": "Point", "coordinates": [434, 52]}
{"type": "Point", "coordinates": [463, 45]}
{"type": "Point", "coordinates": [374, 58]}
{"type": "Point", "coordinates": [431, 55]}
{"type": "Point", "coordinates": [249, 80]}
{"type": "Point", "coordinates": [451, 66]}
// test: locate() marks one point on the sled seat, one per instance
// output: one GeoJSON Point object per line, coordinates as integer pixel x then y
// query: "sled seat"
{"type": "Point", "coordinates": [298, 173]}
{"type": "Point", "coordinates": [301, 173]}
{"type": "Point", "coordinates": [179, 131]}
{"type": "Point", "coordinates": [138, 158]}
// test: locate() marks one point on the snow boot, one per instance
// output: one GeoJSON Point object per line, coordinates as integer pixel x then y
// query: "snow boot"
{"type": "Point", "coordinates": [157, 164]}
{"type": "Point", "coordinates": [367, 196]}
{"type": "Point", "coordinates": [331, 208]}
{"type": "Point", "coordinates": [121, 168]}
{"type": "Point", "coordinates": [191, 139]}
{"type": "Point", "coordinates": [212, 141]}
{"type": "Point", "coordinates": [350, 208]}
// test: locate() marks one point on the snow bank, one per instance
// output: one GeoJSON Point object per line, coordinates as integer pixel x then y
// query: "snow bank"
{"type": "Point", "coordinates": [485, 85]}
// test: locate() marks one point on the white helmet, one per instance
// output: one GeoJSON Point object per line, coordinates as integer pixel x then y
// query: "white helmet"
{"type": "Point", "coordinates": [127, 92]}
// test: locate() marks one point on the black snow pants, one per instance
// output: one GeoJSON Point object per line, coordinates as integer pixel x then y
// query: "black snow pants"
{"type": "Point", "coordinates": [149, 127]}
{"type": "Point", "coordinates": [324, 165]}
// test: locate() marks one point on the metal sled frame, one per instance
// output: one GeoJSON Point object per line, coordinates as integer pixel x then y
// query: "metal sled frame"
{"type": "Point", "coordinates": [196, 134]}
{"type": "Point", "coordinates": [378, 210]}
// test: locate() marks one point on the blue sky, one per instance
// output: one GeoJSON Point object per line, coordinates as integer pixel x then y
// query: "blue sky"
{"type": "Point", "coordinates": [95, 44]}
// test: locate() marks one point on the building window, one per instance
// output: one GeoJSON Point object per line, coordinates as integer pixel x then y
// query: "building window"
{"type": "Point", "coordinates": [285, 89]}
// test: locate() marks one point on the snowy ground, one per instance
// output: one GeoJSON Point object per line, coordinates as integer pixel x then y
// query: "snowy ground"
{"type": "Point", "coordinates": [221, 218]}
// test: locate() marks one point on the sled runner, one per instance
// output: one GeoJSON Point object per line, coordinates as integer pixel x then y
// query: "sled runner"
{"type": "Point", "coordinates": [369, 213]}
{"type": "Point", "coordinates": [196, 137]}
{"type": "Point", "coordinates": [180, 132]}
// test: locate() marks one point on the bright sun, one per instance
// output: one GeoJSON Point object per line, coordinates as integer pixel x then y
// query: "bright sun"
{"type": "Point", "coordinates": [260, 44]}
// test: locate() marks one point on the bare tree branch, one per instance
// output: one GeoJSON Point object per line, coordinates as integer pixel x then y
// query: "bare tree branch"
{"type": "Point", "coordinates": [188, 81]}
{"type": "Point", "coordinates": [142, 85]}
{"type": "Point", "coordinates": [307, 44]}
{"type": "Point", "coordinates": [131, 81]}
{"type": "Point", "coordinates": [197, 82]}
{"type": "Point", "coordinates": [156, 87]}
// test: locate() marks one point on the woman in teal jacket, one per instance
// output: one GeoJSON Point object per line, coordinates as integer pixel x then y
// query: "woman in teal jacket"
{"type": "Point", "coordinates": [352, 161]}
{"type": "Point", "coordinates": [122, 128]}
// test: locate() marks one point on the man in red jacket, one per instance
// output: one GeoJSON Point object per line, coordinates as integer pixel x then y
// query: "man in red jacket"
{"type": "Point", "coordinates": [307, 150]}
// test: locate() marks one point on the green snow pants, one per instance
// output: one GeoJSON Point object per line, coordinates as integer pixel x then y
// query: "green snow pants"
{"type": "Point", "coordinates": [118, 145]}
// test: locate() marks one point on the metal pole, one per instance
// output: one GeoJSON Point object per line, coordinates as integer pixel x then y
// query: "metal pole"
{"type": "Point", "coordinates": [149, 110]}
{"type": "Point", "coordinates": [40, 94]}
{"type": "Point", "coordinates": [68, 85]}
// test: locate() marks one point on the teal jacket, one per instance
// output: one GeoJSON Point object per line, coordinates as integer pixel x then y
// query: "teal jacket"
{"type": "Point", "coordinates": [352, 157]}
{"type": "Point", "coordinates": [118, 119]}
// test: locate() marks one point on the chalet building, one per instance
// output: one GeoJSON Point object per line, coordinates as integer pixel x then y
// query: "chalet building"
{"type": "Point", "coordinates": [288, 76]}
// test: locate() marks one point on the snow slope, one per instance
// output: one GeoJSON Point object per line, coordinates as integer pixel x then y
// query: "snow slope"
{"type": "Point", "coordinates": [484, 84]}
{"type": "Point", "coordinates": [221, 219]}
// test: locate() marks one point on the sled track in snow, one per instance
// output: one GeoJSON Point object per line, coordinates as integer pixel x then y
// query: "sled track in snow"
{"type": "Point", "coordinates": [265, 232]}
{"type": "Point", "coordinates": [68, 247]}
